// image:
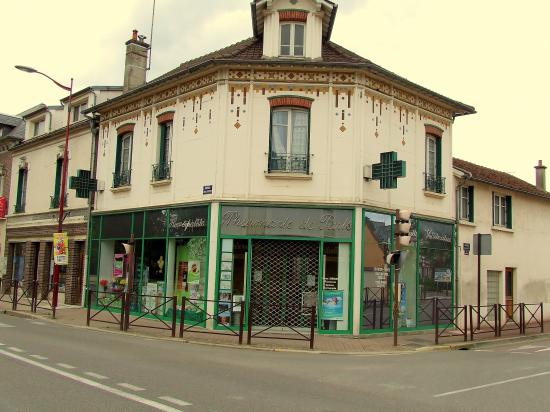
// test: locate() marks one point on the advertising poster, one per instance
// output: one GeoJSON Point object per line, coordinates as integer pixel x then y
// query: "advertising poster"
{"type": "Point", "coordinates": [194, 274]}
{"type": "Point", "coordinates": [333, 305]}
{"type": "Point", "coordinates": [443, 275]}
{"type": "Point", "coordinates": [60, 248]}
{"type": "Point", "coordinates": [118, 266]}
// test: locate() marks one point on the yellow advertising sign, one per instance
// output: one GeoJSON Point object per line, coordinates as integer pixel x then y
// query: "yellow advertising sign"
{"type": "Point", "coordinates": [60, 248]}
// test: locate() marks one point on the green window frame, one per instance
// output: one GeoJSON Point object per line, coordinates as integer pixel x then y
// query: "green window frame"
{"type": "Point", "coordinates": [21, 190]}
{"type": "Point", "coordinates": [466, 199]}
{"type": "Point", "coordinates": [502, 210]}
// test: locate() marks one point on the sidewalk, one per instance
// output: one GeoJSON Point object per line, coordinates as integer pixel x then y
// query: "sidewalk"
{"type": "Point", "coordinates": [380, 343]}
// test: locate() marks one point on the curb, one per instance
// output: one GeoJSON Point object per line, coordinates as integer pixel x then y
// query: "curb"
{"type": "Point", "coordinates": [479, 344]}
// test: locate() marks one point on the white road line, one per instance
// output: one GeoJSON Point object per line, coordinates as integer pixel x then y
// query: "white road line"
{"type": "Point", "coordinates": [95, 375]}
{"type": "Point", "coordinates": [1, 344]}
{"type": "Point", "coordinates": [65, 366]}
{"type": "Point", "coordinates": [5, 325]}
{"type": "Point", "coordinates": [13, 348]}
{"type": "Point", "coordinates": [38, 323]}
{"type": "Point", "coordinates": [488, 385]}
{"type": "Point", "coordinates": [521, 353]}
{"type": "Point", "coordinates": [40, 357]}
{"type": "Point", "coordinates": [130, 387]}
{"type": "Point", "coordinates": [175, 401]}
{"type": "Point", "coordinates": [153, 404]}
{"type": "Point", "coordinates": [529, 347]}
{"type": "Point", "coordinates": [482, 350]}
{"type": "Point", "coordinates": [543, 350]}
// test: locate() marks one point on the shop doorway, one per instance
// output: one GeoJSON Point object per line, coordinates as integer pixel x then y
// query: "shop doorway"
{"type": "Point", "coordinates": [284, 282]}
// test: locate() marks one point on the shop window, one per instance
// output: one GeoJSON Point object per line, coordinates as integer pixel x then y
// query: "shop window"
{"type": "Point", "coordinates": [292, 39]}
{"type": "Point", "coordinates": [117, 226]}
{"type": "Point", "coordinates": [18, 261]}
{"type": "Point", "coordinates": [289, 143]}
{"type": "Point", "coordinates": [123, 165]}
{"type": "Point", "coordinates": [502, 210]}
{"type": "Point", "coordinates": [21, 190]}
{"type": "Point", "coordinates": [467, 203]}
{"type": "Point", "coordinates": [232, 280]}
{"type": "Point", "coordinates": [335, 293]}
{"type": "Point", "coordinates": [155, 223]}
{"type": "Point", "coordinates": [433, 181]}
{"type": "Point", "coordinates": [162, 170]}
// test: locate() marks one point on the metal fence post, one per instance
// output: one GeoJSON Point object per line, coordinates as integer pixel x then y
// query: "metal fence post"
{"type": "Point", "coordinates": [471, 324]}
{"type": "Point", "coordinates": [522, 319]}
{"type": "Point", "coordinates": [182, 316]}
{"type": "Point", "coordinates": [33, 297]}
{"type": "Point", "coordinates": [89, 308]}
{"type": "Point", "coordinates": [312, 327]}
{"type": "Point", "coordinates": [465, 323]}
{"type": "Point", "coordinates": [500, 319]}
{"type": "Point", "coordinates": [436, 327]}
{"type": "Point", "coordinates": [174, 314]}
{"type": "Point", "coordinates": [54, 307]}
{"type": "Point", "coordinates": [374, 315]}
{"type": "Point", "coordinates": [241, 321]}
{"type": "Point", "coordinates": [123, 322]}
{"type": "Point", "coordinates": [249, 325]}
{"type": "Point", "coordinates": [14, 300]}
{"type": "Point", "coordinates": [126, 296]}
{"type": "Point", "coordinates": [541, 319]}
{"type": "Point", "coordinates": [495, 309]}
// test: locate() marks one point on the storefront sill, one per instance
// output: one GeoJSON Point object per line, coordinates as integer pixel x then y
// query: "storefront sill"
{"type": "Point", "coordinates": [434, 194]}
{"type": "Point", "coordinates": [502, 229]}
{"type": "Point", "coordinates": [289, 176]}
{"type": "Point", "coordinates": [121, 189]}
{"type": "Point", "coordinates": [164, 182]}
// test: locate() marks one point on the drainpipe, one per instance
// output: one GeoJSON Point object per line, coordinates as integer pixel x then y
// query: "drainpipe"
{"type": "Point", "coordinates": [462, 180]}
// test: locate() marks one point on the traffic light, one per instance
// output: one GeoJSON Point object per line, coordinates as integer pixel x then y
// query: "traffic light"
{"type": "Point", "coordinates": [402, 228]}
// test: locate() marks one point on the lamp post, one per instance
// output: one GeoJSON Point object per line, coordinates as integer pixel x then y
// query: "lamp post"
{"type": "Point", "coordinates": [61, 215]}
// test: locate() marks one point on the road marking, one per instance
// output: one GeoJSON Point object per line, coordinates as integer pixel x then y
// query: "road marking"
{"type": "Point", "coordinates": [482, 350]}
{"type": "Point", "coordinates": [543, 350]}
{"type": "Point", "coordinates": [95, 375]}
{"type": "Point", "coordinates": [1, 344]}
{"type": "Point", "coordinates": [130, 387]}
{"type": "Point", "coordinates": [153, 404]}
{"type": "Point", "coordinates": [38, 323]}
{"type": "Point", "coordinates": [529, 347]}
{"type": "Point", "coordinates": [65, 366]}
{"type": "Point", "coordinates": [521, 353]}
{"type": "Point", "coordinates": [488, 385]}
{"type": "Point", "coordinates": [175, 401]}
{"type": "Point", "coordinates": [40, 357]}
{"type": "Point", "coordinates": [13, 348]}
{"type": "Point", "coordinates": [5, 325]}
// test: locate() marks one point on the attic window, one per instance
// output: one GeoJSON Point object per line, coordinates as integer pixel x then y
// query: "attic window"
{"type": "Point", "coordinates": [39, 127]}
{"type": "Point", "coordinates": [292, 39]}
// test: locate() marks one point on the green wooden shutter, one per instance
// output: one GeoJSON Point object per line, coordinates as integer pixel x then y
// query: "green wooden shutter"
{"type": "Point", "coordinates": [162, 146]}
{"type": "Point", "coordinates": [19, 189]}
{"type": "Point", "coordinates": [58, 172]}
{"type": "Point", "coordinates": [438, 156]}
{"type": "Point", "coordinates": [118, 154]}
{"type": "Point", "coordinates": [471, 203]}
{"type": "Point", "coordinates": [509, 212]}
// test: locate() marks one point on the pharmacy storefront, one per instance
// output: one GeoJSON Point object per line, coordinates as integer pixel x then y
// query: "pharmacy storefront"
{"type": "Point", "coordinates": [426, 278]}
{"type": "Point", "coordinates": [171, 254]}
{"type": "Point", "coordinates": [284, 260]}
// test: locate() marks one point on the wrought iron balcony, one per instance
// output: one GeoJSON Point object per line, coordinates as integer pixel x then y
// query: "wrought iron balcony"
{"type": "Point", "coordinates": [288, 163]}
{"type": "Point", "coordinates": [162, 171]}
{"type": "Point", "coordinates": [54, 201]}
{"type": "Point", "coordinates": [122, 178]}
{"type": "Point", "coordinates": [434, 184]}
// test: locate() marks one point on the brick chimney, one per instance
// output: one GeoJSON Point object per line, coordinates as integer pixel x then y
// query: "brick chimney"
{"type": "Point", "coordinates": [540, 171]}
{"type": "Point", "coordinates": [135, 68]}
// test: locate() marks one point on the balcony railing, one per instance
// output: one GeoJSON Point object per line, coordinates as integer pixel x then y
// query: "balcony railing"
{"type": "Point", "coordinates": [122, 178]}
{"type": "Point", "coordinates": [288, 163]}
{"type": "Point", "coordinates": [435, 184]}
{"type": "Point", "coordinates": [54, 201]}
{"type": "Point", "coordinates": [162, 171]}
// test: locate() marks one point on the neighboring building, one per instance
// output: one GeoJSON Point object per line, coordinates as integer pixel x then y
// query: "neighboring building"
{"type": "Point", "coordinates": [246, 174]}
{"type": "Point", "coordinates": [12, 131]}
{"type": "Point", "coordinates": [516, 215]}
{"type": "Point", "coordinates": [36, 170]}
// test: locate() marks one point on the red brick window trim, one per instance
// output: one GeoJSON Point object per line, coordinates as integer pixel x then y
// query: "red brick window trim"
{"type": "Point", "coordinates": [126, 128]}
{"type": "Point", "coordinates": [293, 15]}
{"type": "Point", "coordinates": [292, 101]}
{"type": "Point", "coordinates": [433, 130]}
{"type": "Point", "coordinates": [165, 117]}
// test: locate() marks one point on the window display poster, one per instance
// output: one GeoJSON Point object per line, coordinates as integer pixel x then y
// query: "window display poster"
{"type": "Point", "coordinates": [225, 285]}
{"type": "Point", "coordinates": [443, 275]}
{"type": "Point", "coordinates": [118, 265]}
{"type": "Point", "coordinates": [194, 274]}
{"type": "Point", "coordinates": [333, 305]}
{"type": "Point", "coordinates": [237, 302]}
{"type": "Point", "coordinates": [183, 268]}
{"type": "Point", "coordinates": [225, 276]}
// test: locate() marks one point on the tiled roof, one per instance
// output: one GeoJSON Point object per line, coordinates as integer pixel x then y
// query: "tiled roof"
{"type": "Point", "coordinates": [9, 120]}
{"type": "Point", "coordinates": [498, 178]}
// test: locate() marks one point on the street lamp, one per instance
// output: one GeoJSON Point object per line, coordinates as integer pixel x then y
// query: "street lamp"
{"type": "Point", "coordinates": [61, 215]}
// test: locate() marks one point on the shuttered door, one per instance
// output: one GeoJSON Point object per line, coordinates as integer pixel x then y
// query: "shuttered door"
{"type": "Point", "coordinates": [493, 287]}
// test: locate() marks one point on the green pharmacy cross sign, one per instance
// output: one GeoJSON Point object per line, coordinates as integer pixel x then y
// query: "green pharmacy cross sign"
{"type": "Point", "coordinates": [83, 183]}
{"type": "Point", "coordinates": [388, 170]}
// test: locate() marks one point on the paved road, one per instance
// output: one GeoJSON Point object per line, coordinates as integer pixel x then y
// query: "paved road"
{"type": "Point", "coordinates": [48, 367]}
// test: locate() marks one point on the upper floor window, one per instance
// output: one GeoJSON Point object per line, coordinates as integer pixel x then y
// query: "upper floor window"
{"type": "Point", "coordinates": [123, 164]}
{"type": "Point", "coordinates": [39, 127]}
{"type": "Point", "coordinates": [433, 181]}
{"type": "Point", "coordinates": [466, 203]}
{"type": "Point", "coordinates": [502, 210]}
{"type": "Point", "coordinates": [289, 144]}
{"type": "Point", "coordinates": [77, 111]}
{"type": "Point", "coordinates": [20, 200]}
{"type": "Point", "coordinates": [161, 171]}
{"type": "Point", "coordinates": [292, 39]}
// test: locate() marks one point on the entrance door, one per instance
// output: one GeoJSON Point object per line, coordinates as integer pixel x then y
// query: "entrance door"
{"type": "Point", "coordinates": [284, 282]}
{"type": "Point", "coordinates": [509, 291]}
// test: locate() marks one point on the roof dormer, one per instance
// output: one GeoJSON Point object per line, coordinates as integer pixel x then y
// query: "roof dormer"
{"type": "Point", "coordinates": [293, 29]}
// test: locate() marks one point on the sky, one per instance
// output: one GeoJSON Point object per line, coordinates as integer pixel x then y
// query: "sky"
{"type": "Point", "coordinates": [491, 54]}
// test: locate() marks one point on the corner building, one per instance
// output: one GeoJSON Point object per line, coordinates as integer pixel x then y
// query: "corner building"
{"type": "Point", "coordinates": [246, 174]}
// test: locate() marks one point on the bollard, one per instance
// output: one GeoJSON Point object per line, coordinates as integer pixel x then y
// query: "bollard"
{"type": "Point", "coordinates": [182, 316]}
{"type": "Point", "coordinates": [174, 314]}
